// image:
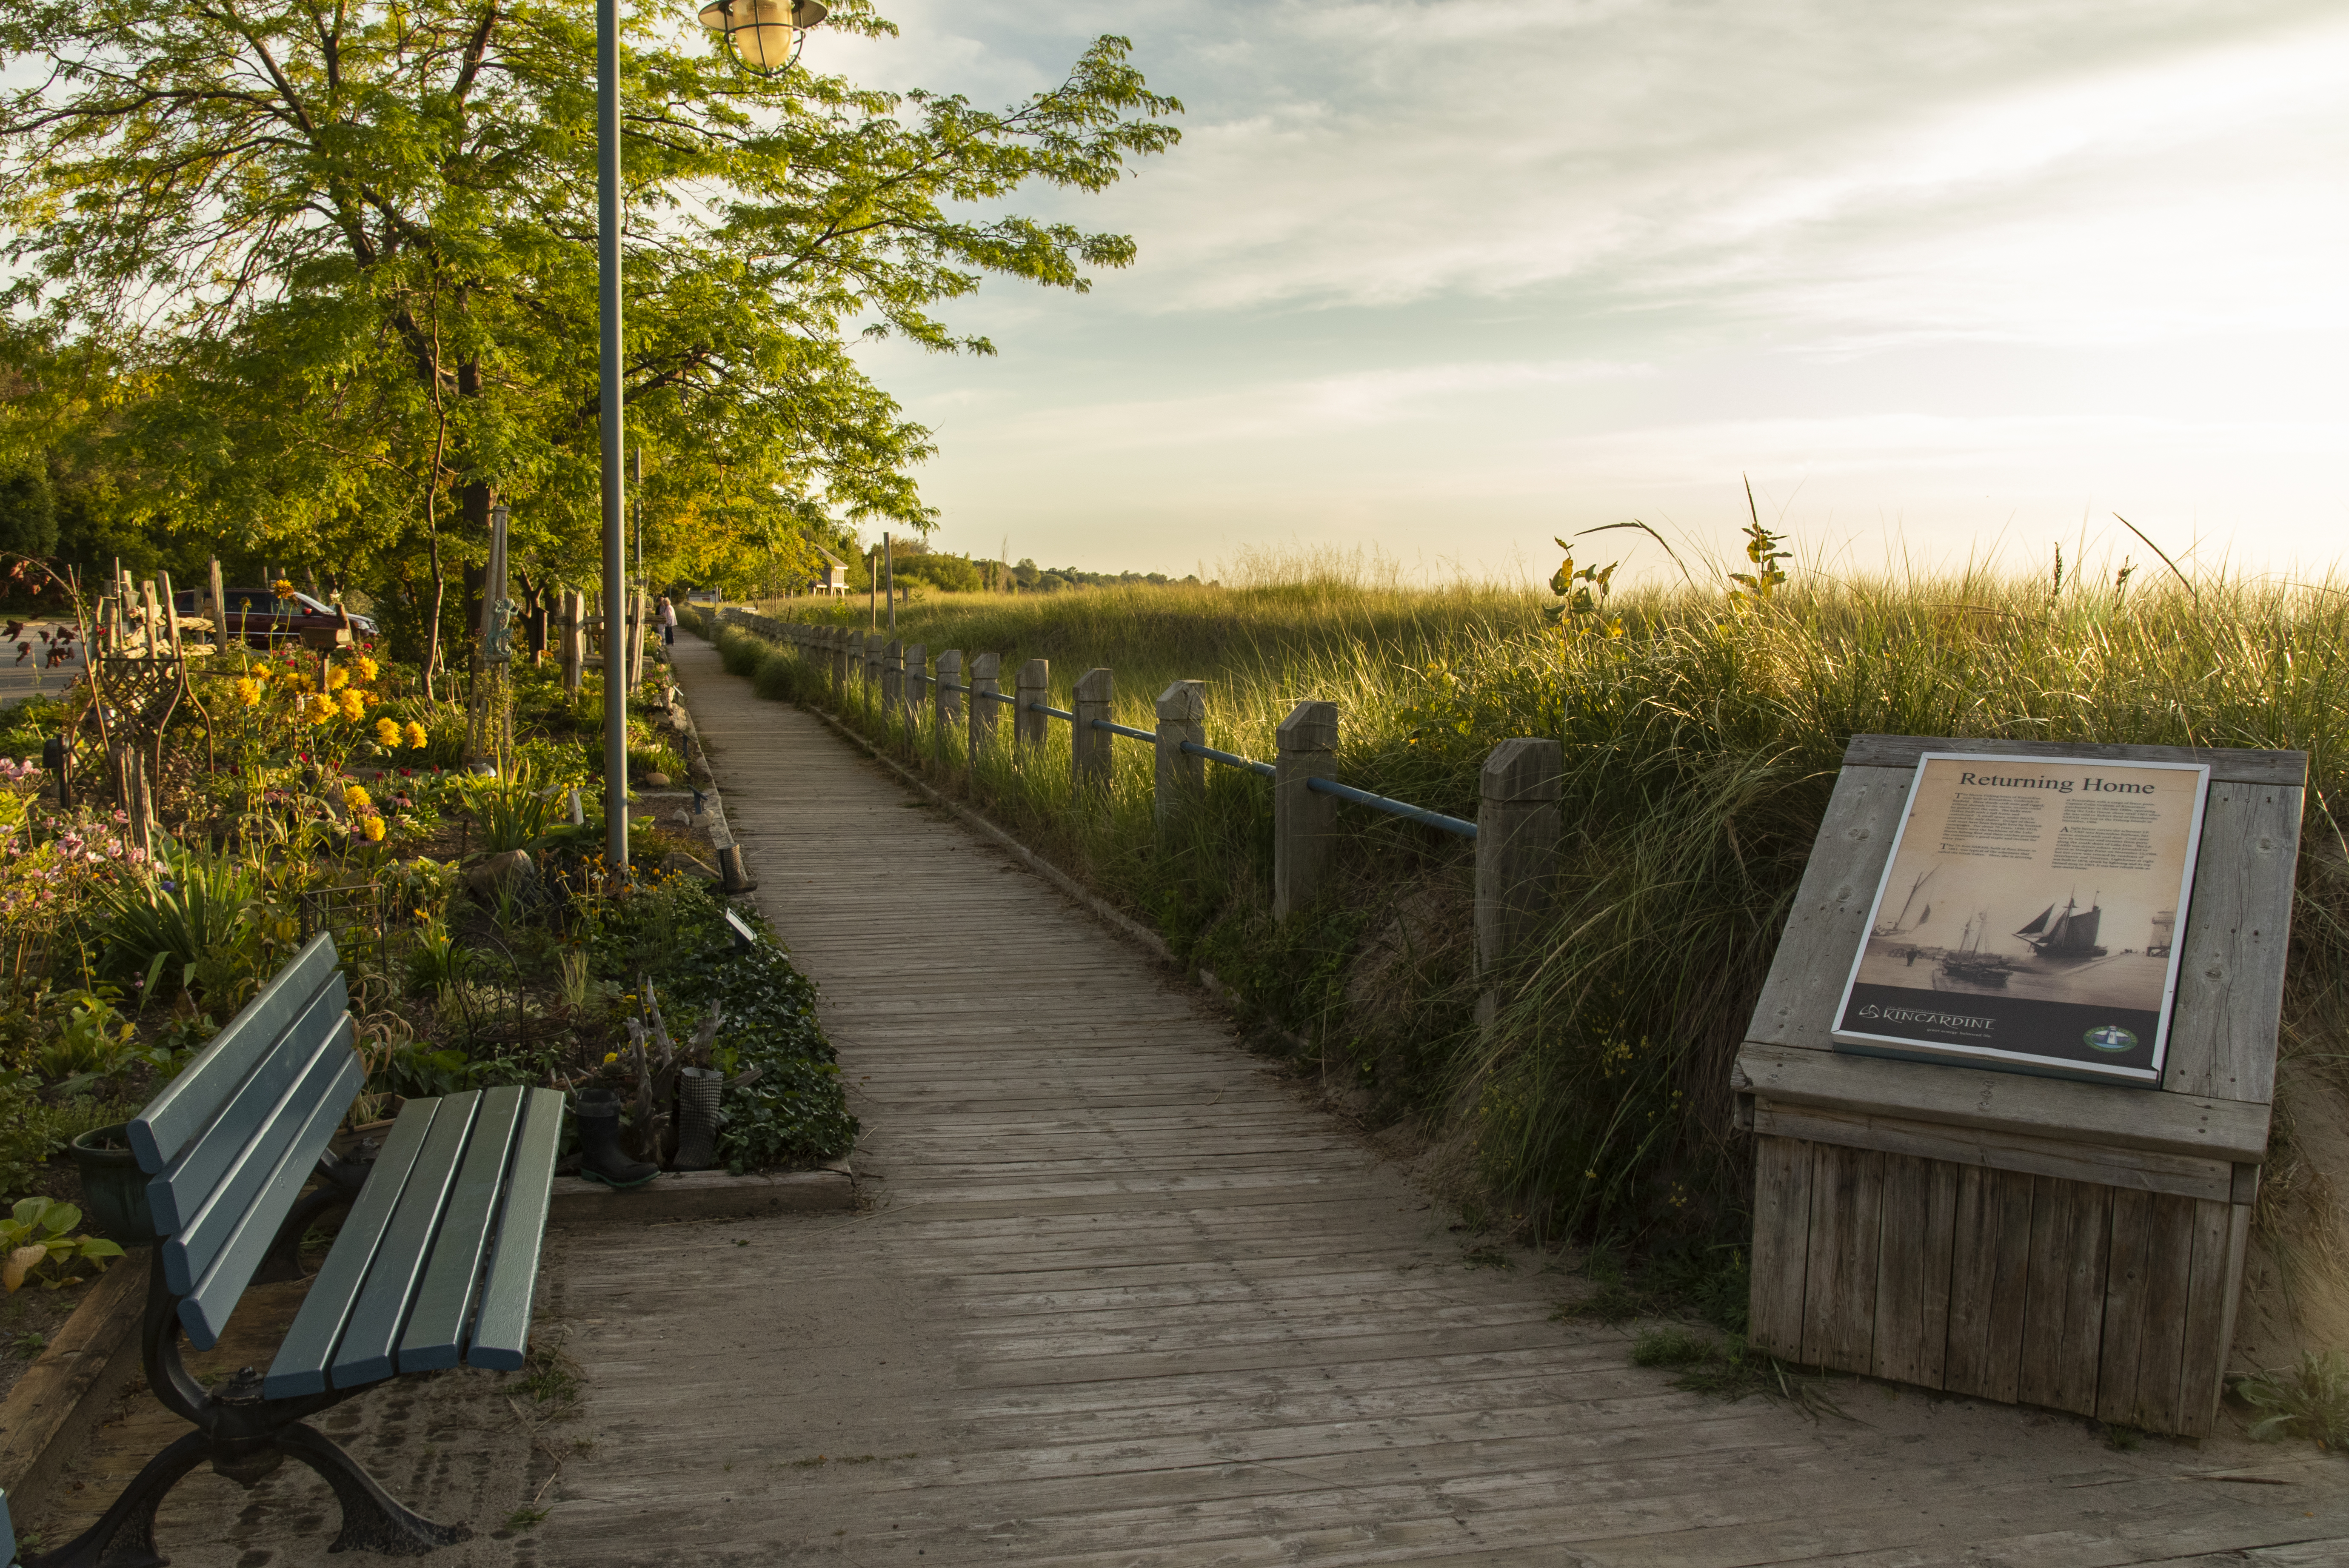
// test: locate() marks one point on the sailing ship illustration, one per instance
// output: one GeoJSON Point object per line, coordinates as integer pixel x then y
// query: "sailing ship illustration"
{"type": "Point", "coordinates": [1899, 925]}
{"type": "Point", "coordinates": [1967, 963]}
{"type": "Point", "coordinates": [2069, 937]}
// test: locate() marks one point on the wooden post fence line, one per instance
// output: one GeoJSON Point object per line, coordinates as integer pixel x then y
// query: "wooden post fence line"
{"type": "Point", "coordinates": [1518, 824]}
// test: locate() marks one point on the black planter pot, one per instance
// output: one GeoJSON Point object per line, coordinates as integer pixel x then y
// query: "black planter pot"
{"type": "Point", "coordinates": [113, 1188]}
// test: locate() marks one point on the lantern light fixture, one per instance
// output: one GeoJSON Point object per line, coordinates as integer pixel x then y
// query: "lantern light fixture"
{"type": "Point", "coordinates": [765, 35]}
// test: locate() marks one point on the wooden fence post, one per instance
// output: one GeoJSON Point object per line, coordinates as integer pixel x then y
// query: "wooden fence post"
{"type": "Point", "coordinates": [1089, 749]}
{"type": "Point", "coordinates": [949, 699]}
{"type": "Point", "coordinates": [574, 610]}
{"type": "Point", "coordinates": [893, 677]}
{"type": "Point", "coordinates": [1182, 775]}
{"type": "Point", "coordinates": [918, 670]}
{"type": "Point", "coordinates": [985, 681]}
{"type": "Point", "coordinates": [871, 658]}
{"type": "Point", "coordinates": [218, 602]}
{"type": "Point", "coordinates": [1035, 686]}
{"type": "Point", "coordinates": [839, 638]}
{"type": "Point", "coordinates": [1304, 823]}
{"type": "Point", "coordinates": [1518, 828]}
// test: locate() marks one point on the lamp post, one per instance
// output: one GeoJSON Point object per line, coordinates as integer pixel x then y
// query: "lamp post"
{"type": "Point", "coordinates": [766, 37]}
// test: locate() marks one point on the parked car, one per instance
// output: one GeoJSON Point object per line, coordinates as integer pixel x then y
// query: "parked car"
{"type": "Point", "coordinates": [259, 616]}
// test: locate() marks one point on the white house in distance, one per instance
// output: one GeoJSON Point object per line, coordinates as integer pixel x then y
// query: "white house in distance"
{"type": "Point", "coordinates": [832, 577]}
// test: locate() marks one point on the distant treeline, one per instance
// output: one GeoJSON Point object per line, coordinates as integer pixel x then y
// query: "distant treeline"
{"type": "Point", "coordinates": [914, 562]}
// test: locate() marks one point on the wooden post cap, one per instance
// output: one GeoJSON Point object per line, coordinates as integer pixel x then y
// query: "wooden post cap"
{"type": "Point", "coordinates": [1184, 702]}
{"type": "Point", "coordinates": [1522, 769]}
{"type": "Point", "coordinates": [1310, 726]}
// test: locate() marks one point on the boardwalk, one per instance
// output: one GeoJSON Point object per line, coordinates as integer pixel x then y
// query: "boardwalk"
{"type": "Point", "coordinates": [1124, 1298]}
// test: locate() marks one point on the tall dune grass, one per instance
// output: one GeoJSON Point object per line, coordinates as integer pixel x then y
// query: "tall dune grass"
{"type": "Point", "coordinates": [1701, 746]}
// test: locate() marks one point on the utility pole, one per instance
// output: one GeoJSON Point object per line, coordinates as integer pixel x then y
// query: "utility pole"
{"type": "Point", "coordinates": [889, 568]}
{"type": "Point", "coordinates": [608, 281]}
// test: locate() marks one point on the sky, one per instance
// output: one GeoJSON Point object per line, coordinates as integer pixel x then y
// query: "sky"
{"type": "Point", "coordinates": [1438, 280]}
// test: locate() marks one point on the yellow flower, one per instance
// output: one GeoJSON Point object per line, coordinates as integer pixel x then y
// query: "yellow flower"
{"type": "Point", "coordinates": [367, 667]}
{"type": "Point", "coordinates": [338, 677]}
{"type": "Point", "coordinates": [356, 797]}
{"type": "Point", "coordinates": [248, 691]}
{"type": "Point", "coordinates": [354, 703]}
{"type": "Point", "coordinates": [373, 827]}
{"type": "Point", "coordinates": [611, 1057]}
{"type": "Point", "coordinates": [416, 736]}
{"type": "Point", "coordinates": [282, 588]}
{"type": "Point", "coordinates": [319, 709]}
{"type": "Point", "coordinates": [387, 733]}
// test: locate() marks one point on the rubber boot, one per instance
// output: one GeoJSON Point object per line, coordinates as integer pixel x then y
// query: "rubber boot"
{"type": "Point", "coordinates": [600, 1156]}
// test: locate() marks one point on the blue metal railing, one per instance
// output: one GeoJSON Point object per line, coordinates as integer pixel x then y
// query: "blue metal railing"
{"type": "Point", "coordinates": [1052, 712]}
{"type": "Point", "coordinates": [1127, 730]}
{"type": "Point", "coordinates": [1229, 760]}
{"type": "Point", "coordinates": [1391, 807]}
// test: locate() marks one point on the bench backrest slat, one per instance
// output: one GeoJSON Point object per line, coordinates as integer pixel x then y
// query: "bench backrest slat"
{"type": "Point", "coordinates": [366, 1355]}
{"type": "Point", "coordinates": [256, 1156]}
{"type": "Point", "coordinates": [502, 1328]}
{"type": "Point", "coordinates": [204, 1312]}
{"type": "Point", "coordinates": [175, 1197]}
{"type": "Point", "coordinates": [190, 1101]}
{"type": "Point", "coordinates": [445, 1296]}
{"type": "Point", "coordinates": [309, 1345]}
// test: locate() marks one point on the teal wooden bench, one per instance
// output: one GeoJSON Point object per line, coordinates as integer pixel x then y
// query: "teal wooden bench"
{"type": "Point", "coordinates": [435, 1266]}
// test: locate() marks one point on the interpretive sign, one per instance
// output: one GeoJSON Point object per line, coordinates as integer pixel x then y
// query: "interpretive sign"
{"type": "Point", "coordinates": [2028, 916]}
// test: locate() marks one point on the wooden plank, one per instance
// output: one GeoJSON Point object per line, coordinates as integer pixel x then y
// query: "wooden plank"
{"type": "Point", "coordinates": [2200, 1128]}
{"type": "Point", "coordinates": [2137, 1170]}
{"type": "Point", "coordinates": [1989, 1270]}
{"type": "Point", "coordinates": [195, 1094]}
{"type": "Point", "coordinates": [501, 1333]}
{"type": "Point", "coordinates": [300, 1365]}
{"type": "Point", "coordinates": [1824, 923]}
{"type": "Point", "coordinates": [2071, 1236]}
{"type": "Point", "coordinates": [1910, 1341]}
{"type": "Point", "coordinates": [242, 1130]}
{"type": "Point", "coordinates": [368, 1352]}
{"type": "Point", "coordinates": [2223, 1039]}
{"type": "Point", "coordinates": [2229, 764]}
{"type": "Point", "coordinates": [2088, 1269]}
{"type": "Point", "coordinates": [1781, 1245]}
{"type": "Point", "coordinates": [2221, 1233]}
{"type": "Point", "coordinates": [228, 1206]}
{"type": "Point", "coordinates": [2128, 1281]}
{"type": "Point", "coordinates": [1840, 1285]}
{"type": "Point", "coordinates": [2162, 1352]}
{"type": "Point", "coordinates": [434, 1337]}
{"type": "Point", "coordinates": [205, 1310]}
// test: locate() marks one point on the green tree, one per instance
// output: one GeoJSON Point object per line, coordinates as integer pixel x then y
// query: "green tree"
{"type": "Point", "coordinates": [29, 511]}
{"type": "Point", "coordinates": [346, 251]}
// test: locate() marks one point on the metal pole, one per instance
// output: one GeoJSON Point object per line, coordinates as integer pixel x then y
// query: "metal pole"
{"type": "Point", "coordinates": [889, 567]}
{"type": "Point", "coordinates": [607, 278]}
{"type": "Point", "coordinates": [872, 594]}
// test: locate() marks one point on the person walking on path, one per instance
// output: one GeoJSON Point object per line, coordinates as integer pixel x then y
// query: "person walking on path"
{"type": "Point", "coordinates": [667, 622]}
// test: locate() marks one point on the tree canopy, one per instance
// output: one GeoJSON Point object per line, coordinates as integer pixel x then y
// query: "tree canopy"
{"type": "Point", "coordinates": [319, 277]}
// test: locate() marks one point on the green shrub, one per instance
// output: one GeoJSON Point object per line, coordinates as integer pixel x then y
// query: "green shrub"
{"type": "Point", "coordinates": [2309, 1401]}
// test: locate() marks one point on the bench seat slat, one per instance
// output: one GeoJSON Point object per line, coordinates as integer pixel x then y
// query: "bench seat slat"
{"type": "Point", "coordinates": [501, 1327]}
{"type": "Point", "coordinates": [309, 1345]}
{"type": "Point", "coordinates": [205, 1311]}
{"type": "Point", "coordinates": [444, 1296]}
{"type": "Point", "coordinates": [367, 1352]}
{"type": "Point", "coordinates": [177, 1196]}
{"type": "Point", "coordinates": [196, 1093]}
{"type": "Point", "coordinates": [226, 1209]}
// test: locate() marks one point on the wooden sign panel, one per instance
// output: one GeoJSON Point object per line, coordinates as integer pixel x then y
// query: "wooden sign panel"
{"type": "Point", "coordinates": [2025, 1238]}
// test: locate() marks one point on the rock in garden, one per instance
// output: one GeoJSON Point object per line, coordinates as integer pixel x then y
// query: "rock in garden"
{"type": "Point", "coordinates": [512, 872]}
{"type": "Point", "coordinates": [654, 780]}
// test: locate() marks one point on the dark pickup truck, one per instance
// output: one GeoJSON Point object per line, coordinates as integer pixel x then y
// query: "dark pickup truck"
{"type": "Point", "coordinates": [259, 616]}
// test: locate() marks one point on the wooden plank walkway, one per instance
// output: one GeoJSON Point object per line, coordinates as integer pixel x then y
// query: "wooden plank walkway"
{"type": "Point", "coordinates": [1125, 1297]}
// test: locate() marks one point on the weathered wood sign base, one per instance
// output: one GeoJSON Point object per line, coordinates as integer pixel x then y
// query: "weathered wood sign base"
{"type": "Point", "coordinates": [2024, 1239]}
{"type": "Point", "coordinates": [2031, 1289]}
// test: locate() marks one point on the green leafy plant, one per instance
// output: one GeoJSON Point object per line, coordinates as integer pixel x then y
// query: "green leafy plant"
{"type": "Point", "coordinates": [2309, 1401]}
{"type": "Point", "coordinates": [189, 916]}
{"type": "Point", "coordinates": [438, 961]}
{"type": "Point", "coordinates": [511, 813]}
{"type": "Point", "coordinates": [33, 1238]}
{"type": "Point", "coordinates": [1764, 551]}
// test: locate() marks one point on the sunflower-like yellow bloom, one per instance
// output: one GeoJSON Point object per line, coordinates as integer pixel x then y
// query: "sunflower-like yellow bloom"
{"type": "Point", "coordinates": [354, 703]}
{"type": "Point", "coordinates": [356, 797]}
{"type": "Point", "coordinates": [368, 668]}
{"type": "Point", "coordinates": [248, 691]}
{"type": "Point", "coordinates": [372, 826]}
{"type": "Point", "coordinates": [387, 733]}
{"type": "Point", "coordinates": [338, 677]}
{"type": "Point", "coordinates": [320, 709]}
{"type": "Point", "coordinates": [416, 736]}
